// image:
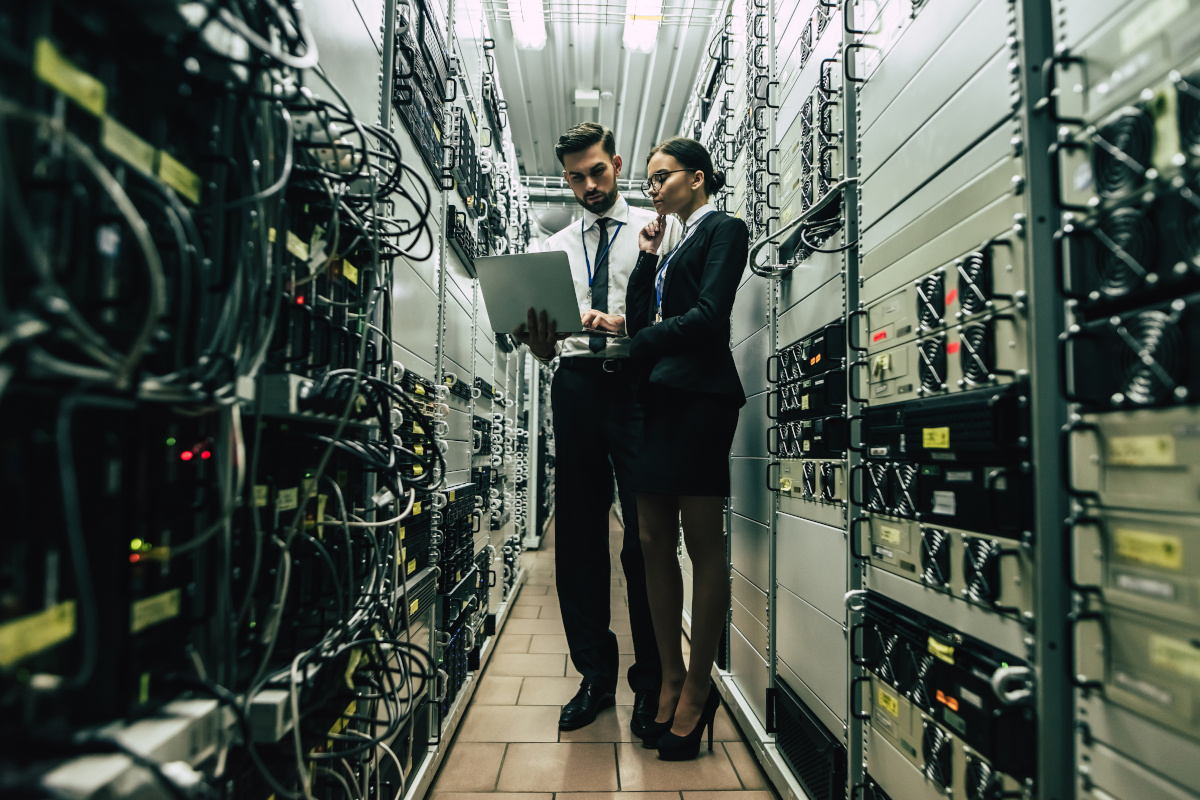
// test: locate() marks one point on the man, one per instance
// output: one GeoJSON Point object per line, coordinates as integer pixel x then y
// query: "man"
{"type": "Point", "coordinates": [597, 427]}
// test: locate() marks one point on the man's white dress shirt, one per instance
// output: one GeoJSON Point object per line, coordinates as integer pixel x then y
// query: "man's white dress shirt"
{"type": "Point", "coordinates": [622, 257]}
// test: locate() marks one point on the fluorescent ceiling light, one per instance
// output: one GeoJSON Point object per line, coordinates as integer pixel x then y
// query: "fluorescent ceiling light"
{"type": "Point", "coordinates": [642, 18]}
{"type": "Point", "coordinates": [528, 23]}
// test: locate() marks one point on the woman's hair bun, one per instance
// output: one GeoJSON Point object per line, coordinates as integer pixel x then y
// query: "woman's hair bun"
{"type": "Point", "coordinates": [718, 180]}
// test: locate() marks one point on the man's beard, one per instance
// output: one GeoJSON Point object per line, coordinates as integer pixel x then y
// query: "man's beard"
{"type": "Point", "coordinates": [600, 206]}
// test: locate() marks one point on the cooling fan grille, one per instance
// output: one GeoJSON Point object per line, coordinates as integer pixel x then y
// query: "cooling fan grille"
{"type": "Point", "coordinates": [938, 752]}
{"type": "Point", "coordinates": [977, 353]}
{"type": "Point", "coordinates": [920, 694]}
{"type": "Point", "coordinates": [1152, 356]}
{"type": "Point", "coordinates": [935, 557]}
{"type": "Point", "coordinates": [931, 364]}
{"type": "Point", "coordinates": [974, 282]}
{"type": "Point", "coordinates": [1127, 244]}
{"type": "Point", "coordinates": [1188, 102]}
{"type": "Point", "coordinates": [982, 781]}
{"type": "Point", "coordinates": [809, 477]}
{"type": "Point", "coordinates": [931, 301]}
{"type": "Point", "coordinates": [1121, 152]}
{"type": "Point", "coordinates": [903, 484]}
{"type": "Point", "coordinates": [876, 475]}
{"type": "Point", "coordinates": [828, 480]}
{"type": "Point", "coordinates": [981, 569]}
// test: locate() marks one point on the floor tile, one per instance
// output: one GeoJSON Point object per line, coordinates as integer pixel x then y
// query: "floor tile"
{"type": "Point", "coordinates": [525, 612]}
{"type": "Point", "coordinates": [576, 766]}
{"type": "Point", "coordinates": [498, 690]}
{"type": "Point", "coordinates": [617, 796]}
{"type": "Point", "coordinates": [513, 643]}
{"type": "Point", "coordinates": [536, 600]}
{"type": "Point", "coordinates": [539, 691]}
{"type": "Point", "coordinates": [534, 589]}
{"type": "Point", "coordinates": [725, 729]}
{"type": "Point", "coordinates": [470, 767]}
{"type": "Point", "coordinates": [526, 665]}
{"type": "Point", "coordinates": [747, 767]}
{"type": "Point", "coordinates": [625, 643]}
{"type": "Point", "coordinates": [533, 626]}
{"type": "Point", "coordinates": [549, 643]}
{"type": "Point", "coordinates": [509, 724]}
{"type": "Point", "coordinates": [550, 611]}
{"type": "Point", "coordinates": [611, 725]}
{"type": "Point", "coordinates": [642, 771]}
{"type": "Point", "coordinates": [755, 795]}
{"type": "Point", "coordinates": [491, 796]}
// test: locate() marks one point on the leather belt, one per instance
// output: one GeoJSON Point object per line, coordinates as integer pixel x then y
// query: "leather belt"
{"type": "Point", "coordinates": [611, 365]}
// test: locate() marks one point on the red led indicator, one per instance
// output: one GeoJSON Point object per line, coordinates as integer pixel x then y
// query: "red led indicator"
{"type": "Point", "coordinates": [952, 347]}
{"type": "Point", "coordinates": [951, 296]}
{"type": "Point", "coordinates": [134, 558]}
{"type": "Point", "coordinates": [300, 300]}
{"type": "Point", "coordinates": [186, 455]}
{"type": "Point", "coordinates": [206, 455]}
{"type": "Point", "coordinates": [879, 337]}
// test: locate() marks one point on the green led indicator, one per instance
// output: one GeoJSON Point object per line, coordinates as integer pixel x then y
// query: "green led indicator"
{"type": "Point", "coordinates": [171, 441]}
{"type": "Point", "coordinates": [135, 544]}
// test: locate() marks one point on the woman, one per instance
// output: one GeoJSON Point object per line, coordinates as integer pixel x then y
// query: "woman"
{"type": "Point", "coordinates": [678, 308]}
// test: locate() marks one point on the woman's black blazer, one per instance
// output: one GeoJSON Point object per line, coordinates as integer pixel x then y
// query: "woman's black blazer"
{"type": "Point", "coordinates": [689, 349]}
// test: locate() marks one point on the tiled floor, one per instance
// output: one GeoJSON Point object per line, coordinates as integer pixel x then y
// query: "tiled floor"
{"type": "Point", "coordinates": [509, 746]}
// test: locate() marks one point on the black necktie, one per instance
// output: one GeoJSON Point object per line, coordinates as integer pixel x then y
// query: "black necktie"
{"type": "Point", "coordinates": [600, 284]}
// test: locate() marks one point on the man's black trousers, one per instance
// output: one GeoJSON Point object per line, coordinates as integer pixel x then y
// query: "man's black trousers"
{"type": "Point", "coordinates": [597, 429]}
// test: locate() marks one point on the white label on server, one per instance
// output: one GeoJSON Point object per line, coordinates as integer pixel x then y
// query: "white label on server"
{"type": "Point", "coordinates": [1146, 586]}
{"type": "Point", "coordinates": [944, 503]}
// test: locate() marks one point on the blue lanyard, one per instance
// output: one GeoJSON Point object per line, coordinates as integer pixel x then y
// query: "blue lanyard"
{"type": "Point", "coordinates": [599, 256]}
{"type": "Point", "coordinates": [662, 271]}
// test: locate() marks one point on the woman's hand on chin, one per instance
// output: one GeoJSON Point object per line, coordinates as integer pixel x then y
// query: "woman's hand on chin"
{"type": "Point", "coordinates": [651, 236]}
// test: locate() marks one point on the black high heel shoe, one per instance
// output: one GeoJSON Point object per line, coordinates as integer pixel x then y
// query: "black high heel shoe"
{"type": "Point", "coordinates": [684, 748]}
{"type": "Point", "coordinates": [654, 732]}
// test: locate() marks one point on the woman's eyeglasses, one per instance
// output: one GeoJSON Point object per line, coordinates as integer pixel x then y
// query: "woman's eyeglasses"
{"type": "Point", "coordinates": [655, 181]}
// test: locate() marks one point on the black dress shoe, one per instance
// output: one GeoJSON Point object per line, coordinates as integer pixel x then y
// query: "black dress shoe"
{"type": "Point", "coordinates": [589, 701]}
{"type": "Point", "coordinates": [645, 706]}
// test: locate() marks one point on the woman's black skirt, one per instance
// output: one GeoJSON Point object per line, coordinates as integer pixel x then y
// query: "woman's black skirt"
{"type": "Point", "coordinates": [686, 443]}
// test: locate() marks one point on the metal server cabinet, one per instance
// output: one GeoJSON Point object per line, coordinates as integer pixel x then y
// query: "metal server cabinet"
{"type": "Point", "coordinates": [1124, 161]}
{"type": "Point", "coordinates": [955, 502]}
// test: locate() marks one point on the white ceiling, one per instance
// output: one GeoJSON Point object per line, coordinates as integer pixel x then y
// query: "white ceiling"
{"type": "Point", "coordinates": [584, 51]}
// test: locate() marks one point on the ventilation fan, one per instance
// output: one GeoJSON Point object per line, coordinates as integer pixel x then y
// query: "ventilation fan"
{"type": "Point", "coordinates": [1188, 103]}
{"type": "Point", "coordinates": [1121, 152]}
{"type": "Point", "coordinates": [978, 352]}
{"type": "Point", "coordinates": [876, 488]}
{"type": "Point", "coordinates": [974, 283]}
{"type": "Point", "coordinates": [904, 489]}
{"type": "Point", "coordinates": [809, 478]}
{"type": "Point", "coordinates": [823, 15]}
{"type": "Point", "coordinates": [935, 557]}
{"type": "Point", "coordinates": [1125, 255]}
{"type": "Point", "coordinates": [931, 302]}
{"type": "Point", "coordinates": [982, 781]}
{"type": "Point", "coordinates": [938, 751]}
{"type": "Point", "coordinates": [1151, 356]}
{"type": "Point", "coordinates": [921, 664]}
{"type": "Point", "coordinates": [885, 644]}
{"type": "Point", "coordinates": [1186, 225]}
{"type": "Point", "coordinates": [828, 480]}
{"type": "Point", "coordinates": [931, 364]}
{"type": "Point", "coordinates": [981, 569]}
{"type": "Point", "coordinates": [806, 40]}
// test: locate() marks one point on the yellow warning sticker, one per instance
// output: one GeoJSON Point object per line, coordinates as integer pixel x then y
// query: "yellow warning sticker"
{"type": "Point", "coordinates": [128, 146]}
{"type": "Point", "coordinates": [153, 610]}
{"type": "Point", "coordinates": [1176, 656]}
{"type": "Point", "coordinates": [1142, 451]}
{"type": "Point", "coordinates": [173, 173]}
{"type": "Point", "coordinates": [940, 650]}
{"type": "Point", "coordinates": [889, 535]}
{"type": "Point", "coordinates": [262, 496]}
{"type": "Point", "coordinates": [412, 608]}
{"type": "Point", "coordinates": [935, 438]}
{"type": "Point", "coordinates": [416, 509]}
{"type": "Point", "coordinates": [31, 634]}
{"type": "Point", "coordinates": [289, 499]}
{"type": "Point", "coordinates": [350, 271]}
{"type": "Point", "coordinates": [296, 246]}
{"type": "Point", "coordinates": [412, 566]}
{"type": "Point", "coordinates": [1153, 549]}
{"type": "Point", "coordinates": [419, 389]}
{"type": "Point", "coordinates": [888, 702]}
{"type": "Point", "coordinates": [57, 71]}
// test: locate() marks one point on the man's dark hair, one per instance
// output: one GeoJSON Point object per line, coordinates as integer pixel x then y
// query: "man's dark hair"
{"type": "Point", "coordinates": [582, 136]}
